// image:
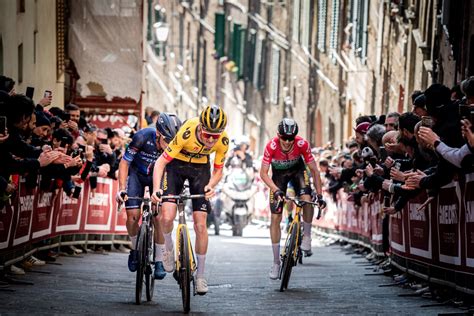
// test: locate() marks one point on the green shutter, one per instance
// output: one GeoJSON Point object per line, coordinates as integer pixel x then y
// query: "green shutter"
{"type": "Point", "coordinates": [241, 62]}
{"type": "Point", "coordinates": [236, 43]}
{"type": "Point", "coordinates": [149, 33]}
{"type": "Point", "coordinates": [250, 55]}
{"type": "Point", "coordinates": [219, 36]}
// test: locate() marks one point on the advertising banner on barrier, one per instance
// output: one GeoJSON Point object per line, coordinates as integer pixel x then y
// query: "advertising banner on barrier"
{"type": "Point", "coordinates": [448, 219]}
{"type": "Point", "coordinates": [99, 216]}
{"type": "Point", "coordinates": [364, 225]}
{"type": "Point", "coordinates": [43, 214]}
{"type": "Point", "coordinates": [25, 205]}
{"type": "Point", "coordinates": [419, 227]}
{"type": "Point", "coordinates": [376, 221]}
{"type": "Point", "coordinates": [69, 212]}
{"type": "Point", "coordinates": [6, 225]}
{"type": "Point", "coordinates": [397, 234]}
{"type": "Point", "coordinates": [469, 219]}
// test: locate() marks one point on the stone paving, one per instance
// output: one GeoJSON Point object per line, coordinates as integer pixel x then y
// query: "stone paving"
{"type": "Point", "coordinates": [330, 283]}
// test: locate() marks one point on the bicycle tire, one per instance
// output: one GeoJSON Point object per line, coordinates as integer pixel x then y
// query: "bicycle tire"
{"type": "Point", "coordinates": [149, 276]}
{"type": "Point", "coordinates": [185, 270]}
{"type": "Point", "coordinates": [141, 265]}
{"type": "Point", "coordinates": [288, 259]}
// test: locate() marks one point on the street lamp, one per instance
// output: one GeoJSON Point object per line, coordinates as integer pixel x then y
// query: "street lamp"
{"type": "Point", "coordinates": [161, 31]}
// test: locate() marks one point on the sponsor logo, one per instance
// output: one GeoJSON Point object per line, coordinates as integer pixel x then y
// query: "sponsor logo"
{"type": "Point", "coordinates": [417, 216]}
{"type": "Point", "coordinates": [26, 203]}
{"type": "Point", "coordinates": [225, 141]}
{"type": "Point", "coordinates": [273, 145]}
{"type": "Point", "coordinates": [165, 182]}
{"type": "Point", "coordinates": [187, 134]}
{"type": "Point", "coordinates": [448, 214]}
{"type": "Point", "coordinates": [168, 149]}
{"type": "Point", "coordinates": [99, 199]}
{"type": "Point", "coordinates": [45, 200]}
{"type": "Point", "coordinates": [300, 143]}
{"type": "Point", "coordinates": [469, 211]}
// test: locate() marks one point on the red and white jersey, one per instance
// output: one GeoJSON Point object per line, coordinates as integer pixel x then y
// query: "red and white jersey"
{"type": "Point", "coordinates": [280, 160]}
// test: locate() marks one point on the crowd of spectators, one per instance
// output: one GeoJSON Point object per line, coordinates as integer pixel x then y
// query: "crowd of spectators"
{"type": "Point", "coordinates": [403, 154]}
{"type": "Point", "coordinates": [50, 147]}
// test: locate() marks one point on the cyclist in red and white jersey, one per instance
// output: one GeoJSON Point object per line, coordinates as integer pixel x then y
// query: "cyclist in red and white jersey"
{"type": "Point", "coordinates": [288, 155]}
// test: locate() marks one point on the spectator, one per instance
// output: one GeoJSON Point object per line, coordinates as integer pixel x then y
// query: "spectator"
{"type": "Point", "coordinates": [391, 122]}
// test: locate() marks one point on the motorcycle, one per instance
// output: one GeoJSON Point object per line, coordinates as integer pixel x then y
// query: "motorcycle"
{"type": "Point", "coordinates": [214, 216]}
{"type": "Point", "coordinates": [238, 189]}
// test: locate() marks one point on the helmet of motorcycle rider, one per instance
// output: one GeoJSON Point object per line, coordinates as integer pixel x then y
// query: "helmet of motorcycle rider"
{"type": "Point", "coordinates": [236, 162]}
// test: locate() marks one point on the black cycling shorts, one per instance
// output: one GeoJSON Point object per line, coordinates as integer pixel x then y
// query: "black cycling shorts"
{"type": "Point", "coordinates": [298, 177]}
{"type": "Point", "coordinates": [136, 184]}
{"type": "Point", "coordinates": [198, 176]}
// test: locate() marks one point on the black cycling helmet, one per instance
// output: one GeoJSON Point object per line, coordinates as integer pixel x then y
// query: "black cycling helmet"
{"type": "Point", "coordinates": [288, 128]}
{"type": "Point", "coordinates": [213, 119]}
{"type": "Point", "coordinates": [168, 125]}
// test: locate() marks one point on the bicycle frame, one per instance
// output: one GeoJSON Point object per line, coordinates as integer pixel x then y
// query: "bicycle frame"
{"type": "Point", "coordinates": [182, 225]}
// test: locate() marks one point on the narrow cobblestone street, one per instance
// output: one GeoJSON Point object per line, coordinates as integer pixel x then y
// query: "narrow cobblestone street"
{"type": "Point", "coordinates": [330, 282]}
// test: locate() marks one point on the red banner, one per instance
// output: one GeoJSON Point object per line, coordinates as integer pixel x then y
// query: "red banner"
{"type": "Point", "coordinates": [25, 209]}
{"type": "Point", "coordinates": [376, 221]}
{"type": "Point", "coordinates": [6, 225]}
{"type": "Point", "coordinates": [469, 219]}
{"type": "Point", "coordinates": [448, 216]}
{"type": "Point", "coordinates": [43, 214]}
{"type": "Point", "coordinates": [99, 208]}
{"type": "Point", "coordinates": [397, 232]}
{"type": "Point", "coordinates": [419, 224]}
{"type": "Point", "coordinates": [69, 213]}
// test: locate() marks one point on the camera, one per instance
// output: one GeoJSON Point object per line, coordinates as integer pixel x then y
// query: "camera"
{"type": "Point", "coordinates": [104, 141]}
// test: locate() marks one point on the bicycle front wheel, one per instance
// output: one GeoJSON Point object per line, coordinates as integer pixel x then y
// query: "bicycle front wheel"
{"type": "Point", "coordinates": [141, 264]}
{"type": "Point", "coordinates": [184, 269]}
{"type": "Point", "coordinates": [288, 260]}
{"type": "Point", "coordinates": [149, 276]}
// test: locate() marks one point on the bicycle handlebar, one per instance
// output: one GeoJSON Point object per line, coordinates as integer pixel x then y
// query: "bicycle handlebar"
{"type": "Point", "coordinates": [183, 197]}
{"type": "Point", "coordinates": [301, 203]}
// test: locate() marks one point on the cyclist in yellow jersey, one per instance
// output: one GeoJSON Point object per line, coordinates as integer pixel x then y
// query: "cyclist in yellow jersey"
{"type": "Point", "coordinates": [187, 158]}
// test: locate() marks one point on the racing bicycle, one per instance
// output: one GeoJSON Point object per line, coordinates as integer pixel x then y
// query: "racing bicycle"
{"type": "Point", "coordinates": [185, 260]}
{"type": "Point", "coordinates": [145, 246]}
{"type": "Point", "coordinates": [292, 253]}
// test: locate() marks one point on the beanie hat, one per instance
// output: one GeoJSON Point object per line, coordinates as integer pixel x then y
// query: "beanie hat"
{"type": "Point", "coordinates": [41, 119]}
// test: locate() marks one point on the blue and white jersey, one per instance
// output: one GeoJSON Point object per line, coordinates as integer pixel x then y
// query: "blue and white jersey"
{"type": "Point", "coordinates": [142, 152]}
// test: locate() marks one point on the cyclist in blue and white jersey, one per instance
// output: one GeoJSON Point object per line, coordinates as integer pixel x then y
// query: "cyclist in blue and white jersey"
{"type": "Point", "coordinates": [136, 173]}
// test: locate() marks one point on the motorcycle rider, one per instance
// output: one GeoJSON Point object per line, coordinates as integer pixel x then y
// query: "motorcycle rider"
{"type": "Point", "coordinates": [288, 155]}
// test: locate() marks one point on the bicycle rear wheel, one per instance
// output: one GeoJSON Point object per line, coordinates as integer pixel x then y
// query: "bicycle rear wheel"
{"type": "Point", "coordinates": [288, 259]}
{"type": "Point", "coordinates": [184, 270]}
{"type": "Point", "coordinates": [141, 264]}
{"type": "Point", "coordinates": [149, 276]}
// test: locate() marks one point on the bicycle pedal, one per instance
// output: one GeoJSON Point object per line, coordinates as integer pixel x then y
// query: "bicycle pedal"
{"type": "Point", "coordinates": [175, 276]}
{"type": "Point", "coordinates": [308, 253]}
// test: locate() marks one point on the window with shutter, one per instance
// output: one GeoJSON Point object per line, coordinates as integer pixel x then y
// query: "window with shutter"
{"type": "Point", "coordinates": [305, 12]}
{"type": "Point", "coordinates": [296, 20]}
{"type": "Point", "coordinates": [322, 11]}
{"type": "Point", "coordinates": [363, 29]}
{"type": "Point", "coordinates": [258, 61]}
{"type": "Point", "coordinates": [275, 75]}
{"type": "Point", "coordinates": [250, 52]}
{"type": "Point", "coordinates": [334, 38]}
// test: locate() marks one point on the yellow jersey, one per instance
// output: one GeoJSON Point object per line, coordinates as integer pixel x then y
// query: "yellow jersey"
{"type": "Point", "coordinates": [186, 146]}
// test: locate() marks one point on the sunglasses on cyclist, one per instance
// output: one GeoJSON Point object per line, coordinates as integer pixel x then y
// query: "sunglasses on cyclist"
{"type": "Point", "coordinates": [287, 138]}
{"type": "Point", "coordinates": [210, 135]}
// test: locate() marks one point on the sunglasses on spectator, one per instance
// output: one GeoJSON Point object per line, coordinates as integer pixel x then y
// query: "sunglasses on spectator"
{"type": "Point", "coordinates": [287, 138]}
{"type": "Point", "coordinates": [210, 135]}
